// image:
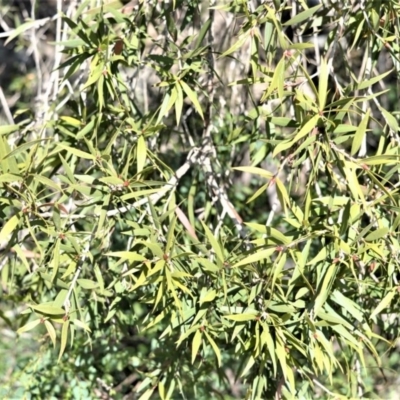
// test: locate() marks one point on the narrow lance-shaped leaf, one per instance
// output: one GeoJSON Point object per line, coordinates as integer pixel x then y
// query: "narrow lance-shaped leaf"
{"type": "Point", "coordinates": [255, 170]}
{"type": "Point", "coordinates": [64, 338]}
{"type": "Point", "coordinates": [242, 317]}
{"type": "Point", "coordinates": [214, 243]}
{"type": "Point", "coordinates": [202, 33]}
{"type": "Point", "coordinates": [214, 346]}
{"type": "Point", "coordinates": [323, 83]}
{"type": "Point", "coordinates": [384, 303]}
{"type": "Point", "coordinates": [306, 129]}
{"type": "Point", "coordinates": [141, 153]}
{"type": "Point", "coordinates": [372, 81]}
{"type": "Point", "coordinates": [171, 235]}
{"type": "Point", "coordinates": [178, 103]}
{"type": "Point", "coordinates": [193, 98]}
{"type": "Point", "coordinates": [29, 326]}
{"type": "Point", "coordinates": [303, 16]}
{"type": "Point", "coordinates": [196, 344]}
{"type": "Point", "coordinates": [147, 394]}
{"type": "Point", "coordinates": [76, 152]}
{"type": "Point", "coordinates": [49, 309]}
{"type": "Point", "coordinates": [21, 255]}
{"type": "Point", "coordinates": [256, 257]}
{"type": "Point", "coordinates": [360, 133]}
{"type": "Point", "coordinates": [390, 119]}
{"type": "Point", "coordinates": [377, 234]}
{"type": "Point", "coordinates": [51, 331]}
{"type": "Point", "coordinates": [277, 79]}
{"type": "Point", "coordinates": [324, 291]}
{"type": "Point", "coordinates": [5, 129]}
{"type": "Point", "coordinates": [235, 46]}
{"type": "Point", "coordinates": [9, 227]}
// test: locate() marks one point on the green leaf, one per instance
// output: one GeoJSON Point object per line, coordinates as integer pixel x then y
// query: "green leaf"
{"type": "Point", "coordinates": [47, 182]}
{"type": "Point", "coordinates": [303, 16]}
{"type": "Point", "coordinates": [282, 194]}
{"type": "Point", "coordinates": [323, 82]}
{"type": "Point", "coordinates": [193, 98]}
{"type": "Point", "coordinates": [25, 146]}
{"type": "Point", "coordinates": [202, 33]}
{"type": "Point", "coordinates": [237, 45]}
{"type": "Point", "coordinates": [360, 132]}
{"type": "Point", "coordinates": [390, 119]}
{"type": "Point", "coordinates": [323, 293]}
{"type": "Point", "coordinates": [242, 317]}
{"type": "Point", "coordinates": [81, 325]}
{"type": "Point", "coordinates": [306, 129]}
{"type": "Point", "coordinates": [382, 159]}
{"type": "Point", "coordinates": [84, 131]}
{"type": "Point", "coordinates": [147, 394]}
{"type": "Point", "coordinates": [141, 154]}
{"type": "Point", "coordinates": [21, 255]}
{"type": "Point", "coordinates": [6, 129]}
{"type": "Point", "coordinates": [64, 337]}
{"type": "Point", "coordinates": [377, 234]}
{"type": "Point", "coordinates": [76, 152]}
{"type": "Point", "coordinates": [171, 235]}
{"type": "Point", "coordinates": [301, 46]}
{"type": "Point", "coordinates": [214, 243]}
{"type": "Point", "coordinates": [71, 121]}
{"type": "Point", "coordinates": [10, 178]}
{"type": "Point", "coordinates": [345, 334]}
{"type": "Point", "coordinates": [250, 363]}
{"type": "Point", "coordinates": [196, 344]}
{"type": "Point", "coordinates": [209, 296]}
{"type": "Point", "coordinates": [256, 171]}
{"type": "Point", "coordinates": [278, 267]}
{"type": "Point", "coordinates": [277, 80]}
{"type": "Point", "coordinates": [95, 75]}
{"type": "Point", "coordinates": [372, 81]}
{"type": "Point", "coordinates": [49, 309]}
{"type": "Point", "coordinates": [87, 284]}
{"type": "Point", "coordinates": [214, 346]}
{"type": "Point", "coordinates": [254, 258]}
{"type": "Point", "coordinates": [29, 326]}
{"type": "Point", "coordinates": [51, 331]}
{"type": "Point", "coordinates": [270, 232]}
{"type": "Point", "coordinates": [168, 102]}
{"type": "Point", "coordinates": [347, 304]}
{"type": "Point", "coordinates": [127, 255]}
{"type": "Point", "coordinates": [344, 128]}
{"type": "Point", "coordinates": [22, 28]}
{"type": "Point", "coordinates": [258, 193]}
{"type": "Point", "coordinates": [178, 103]}
{"type": "Point", "coordinates": [384, 303]}
{"type": "Point", "coordinates": [321, 255]}
{"type": "Point", "coordinates": [9, 227]}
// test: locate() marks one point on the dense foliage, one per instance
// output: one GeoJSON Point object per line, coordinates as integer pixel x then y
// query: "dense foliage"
{"type": "Point", "coordinates": [202, 199]}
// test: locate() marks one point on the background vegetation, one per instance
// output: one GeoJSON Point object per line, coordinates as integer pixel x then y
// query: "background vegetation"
{"type": "Point", "coordinates": [199, 199]}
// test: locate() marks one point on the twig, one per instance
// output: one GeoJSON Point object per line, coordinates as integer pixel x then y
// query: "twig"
{"type": "Point", "coordinates": [323, 387]}
{"type": "Point", "coordinates": [6, 108]}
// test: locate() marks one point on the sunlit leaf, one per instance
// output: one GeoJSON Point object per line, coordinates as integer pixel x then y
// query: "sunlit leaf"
{"type": "Point", "coordinates": [360, 133]}
{"type": "Point", "coordinates": [196, 343]}
{"type": "Point", "coordinates": [29, 326]}
{"type": "Point", "coordinates": [384, 303]}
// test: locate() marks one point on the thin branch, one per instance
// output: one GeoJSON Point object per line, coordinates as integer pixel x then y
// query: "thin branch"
{"type": "Point", "coordinates": [6, 108]}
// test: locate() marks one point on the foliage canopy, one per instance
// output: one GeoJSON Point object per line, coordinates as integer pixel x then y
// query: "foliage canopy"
{"type": "Point", "coordinates": [203, 200]}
